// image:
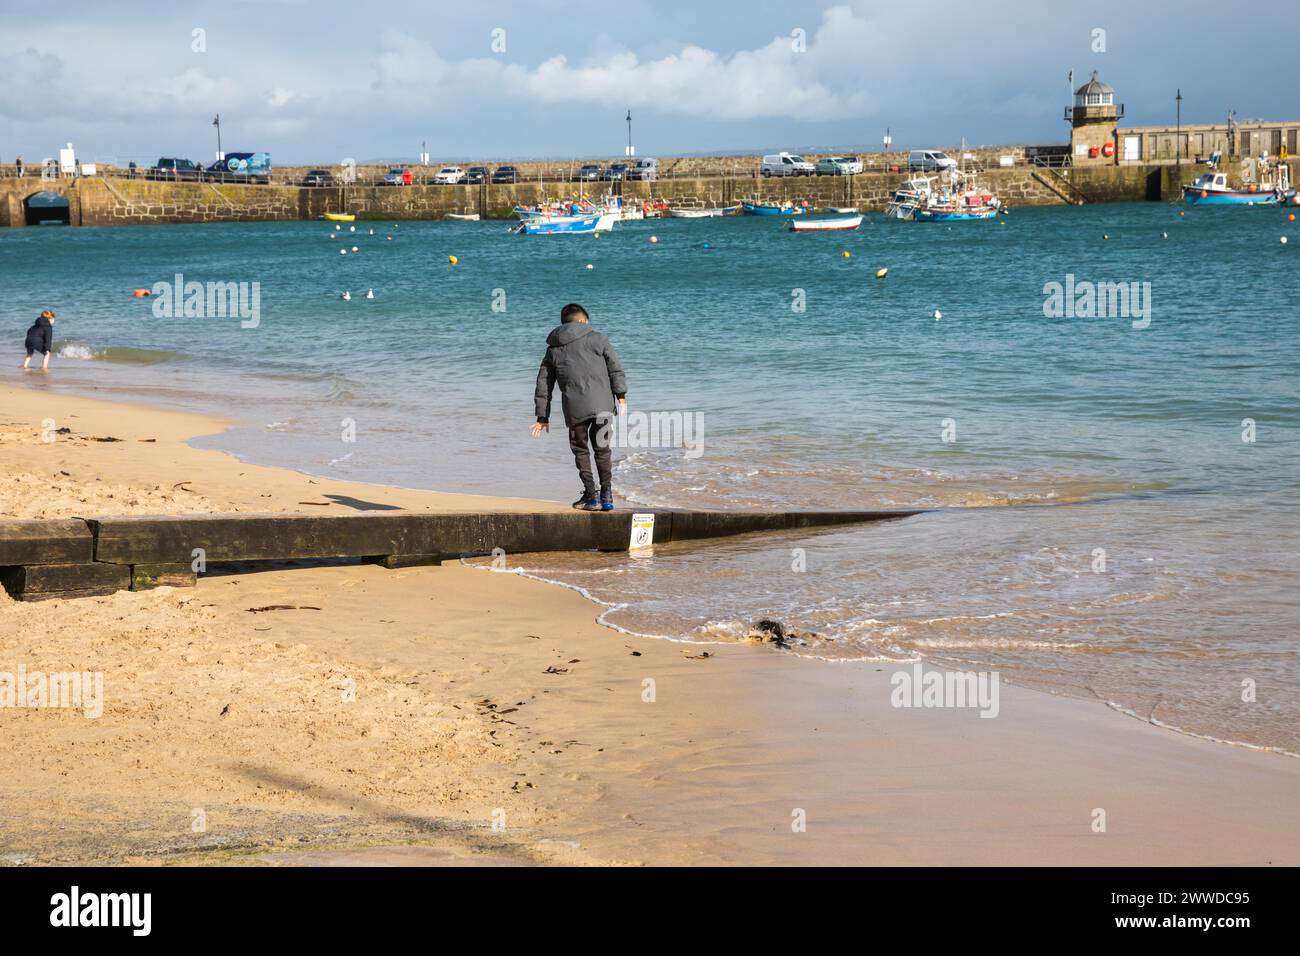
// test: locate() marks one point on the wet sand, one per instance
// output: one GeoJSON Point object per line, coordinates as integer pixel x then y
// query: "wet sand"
{"type": "Point", "coordinates": [439, 716]}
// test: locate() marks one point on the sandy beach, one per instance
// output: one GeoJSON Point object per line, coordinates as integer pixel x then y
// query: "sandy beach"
{"type": "Point", "coordinates": [449, 715]}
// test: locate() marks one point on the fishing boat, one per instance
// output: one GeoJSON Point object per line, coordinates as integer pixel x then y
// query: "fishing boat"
{"type": "Point", "coordinates": [960, 201]}
{"type": "Point", "coordinates": [770, 209]}
{"type": "Point", "coordinates": [958, 207]}
{"type": "Point", "coordinates": [824, 225]}
{"type": "Point", "coordinates": [1271, 186]}
{"type": "Point", "coordinates": [463, 217]}
{"type": "Point", "coordinates": [339, 217]}
{"type": "Point", "coordinates": [566, 225]}
{"type": "Point", "coordinates": [909, 197]}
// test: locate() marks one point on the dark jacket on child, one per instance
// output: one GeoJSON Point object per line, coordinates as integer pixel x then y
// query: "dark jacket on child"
{"type": "Point", "coordinates": [40, 337]}
{"type": "Point", "coordinates": [587, 368]}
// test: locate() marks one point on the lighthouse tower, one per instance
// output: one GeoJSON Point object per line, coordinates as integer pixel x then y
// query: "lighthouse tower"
{"type": "Point", "coordinates": [1094, 138]}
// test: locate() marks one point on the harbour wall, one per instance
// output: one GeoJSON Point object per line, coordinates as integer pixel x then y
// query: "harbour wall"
{"type": "Point", "coordinates": [107, 200]}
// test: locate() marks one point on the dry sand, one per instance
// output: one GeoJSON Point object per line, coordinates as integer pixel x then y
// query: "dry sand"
{"type": "Point", "coordinates": [400, 714]}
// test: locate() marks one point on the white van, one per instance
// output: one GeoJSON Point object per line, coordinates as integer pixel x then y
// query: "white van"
{"type": "Point", "coordinates": [646, 169]}
{"type": "Point", "coordinates": [786, 164]}
{"type": "Point", "coordinates": [929, 161]}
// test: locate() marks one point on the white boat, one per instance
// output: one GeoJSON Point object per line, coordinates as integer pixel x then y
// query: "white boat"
{"type": "Point", "coordinates": [463, 217]}
{"type": "Point", "coordinates": [842, 210]}
{"type": "Point", "coordinates": [692, 212]}
{"type": "Point", "coordinates": [909, 197]}
{"type": "Point", "coordinates": [824, 225]}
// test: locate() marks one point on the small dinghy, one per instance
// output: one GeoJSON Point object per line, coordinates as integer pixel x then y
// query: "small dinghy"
{"type": "Point", "coordinates": [824, 225]}
{"type": "Point", "coordinates": [339, 217]}
{"type": "Point", "coordinates": [463, 217]}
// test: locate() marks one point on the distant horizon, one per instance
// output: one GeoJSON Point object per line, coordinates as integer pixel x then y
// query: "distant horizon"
{"type": "Point", "coordinates": [519, 82]}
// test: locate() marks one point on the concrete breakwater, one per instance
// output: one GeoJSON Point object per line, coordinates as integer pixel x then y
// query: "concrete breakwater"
{"type": "Point", "coordinates": [104, 201]}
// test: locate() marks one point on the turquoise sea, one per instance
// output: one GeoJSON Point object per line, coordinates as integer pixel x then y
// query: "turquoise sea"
{"type": "Point", "coordinates": [1118, 507]}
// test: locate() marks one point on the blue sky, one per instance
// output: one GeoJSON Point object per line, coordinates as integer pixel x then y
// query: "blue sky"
{"type": "Point", "coordinates": [318, 80]}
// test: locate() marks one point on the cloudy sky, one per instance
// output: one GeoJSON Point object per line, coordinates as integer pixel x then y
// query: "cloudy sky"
{"type": "Point", "coordinates": [314, 81]}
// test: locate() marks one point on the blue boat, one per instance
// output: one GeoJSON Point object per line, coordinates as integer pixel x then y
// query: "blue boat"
{"type": "Point", "coordinates": [566, 225]}
{"type": "Point", "coordinates": [943, 214]}
{"type": "Point", "coordinates": [767, 209]}
{"type": "Point", "coordinates": [1212, 189]}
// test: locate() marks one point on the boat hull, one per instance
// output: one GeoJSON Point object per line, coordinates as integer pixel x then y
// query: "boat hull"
{"type": "Point", "coordinates": [943, 215]}
{"type": "Point", "coordinates": [1231, 197]}
{"type": "Point", "coordinates": [567, 225]}
{"type": "Point", "coordinates": [339, 217]}
{"type": "Point", "coordinates": [825, 225]}
{"type": "Point", "coordinates": [757, 209]}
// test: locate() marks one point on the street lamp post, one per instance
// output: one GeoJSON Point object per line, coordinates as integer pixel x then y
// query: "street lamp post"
{"type": "Point", "coordinates": [217, 123]}
{"type": "Point", "coordinates": [630, 151]}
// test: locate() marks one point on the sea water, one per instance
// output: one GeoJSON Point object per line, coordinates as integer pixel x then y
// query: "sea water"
{"type": "Point", "coordinates": [1116, 492]}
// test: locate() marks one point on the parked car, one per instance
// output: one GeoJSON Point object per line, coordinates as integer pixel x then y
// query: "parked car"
{"type": "Point", "coordinates": [176, 169]}
{"type": "Point", "coordinates": [506, 174]}
{"type": "Point", "coordinates": [318, 177]}
{"type": "Point", "coordinates": [396, 177]}
{"type": "Point", "coordinates": [786, 164]}
{"type": "Point", "coordinates": [588, 172]}
{"type": "Point", "coordinates": [929, 160]}
{"type": "Point", "coordinates": [449, 176]}
{"type": "Point", "coordinates": [240, 168]}
{"type": "Point", "coordinates": [646, 169]}
{"type": "Point", "coordinates": [616, 172]}
{"type": "Point", "coordinates": [477, 174]}
{"type": "Point", "coordinates": [838, 166]}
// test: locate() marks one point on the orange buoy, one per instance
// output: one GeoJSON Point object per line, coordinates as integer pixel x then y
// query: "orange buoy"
{"type": "Point", "coordinates": [1291, 218]}
{"type": "Point", "coordinates": [141, 293]}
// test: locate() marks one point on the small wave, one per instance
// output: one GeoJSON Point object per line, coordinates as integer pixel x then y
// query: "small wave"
{"type": "Point", "coordinates": [117, 353]}
{"type": "Point", "coordinates": [1154, 722]}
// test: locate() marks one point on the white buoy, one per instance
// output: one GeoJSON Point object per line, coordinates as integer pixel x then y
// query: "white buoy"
{"type": "Point", "coordinates": [352, 228]}
{"type": "Point", "coordinates": [346, 296]}
{"type": "Point", "coordinates": [1284, 240]}
{"type": "Point", "coordinates": [937, 315]}
{"type": "Point", "coordinates": [1164, 235]}
{"type": "Point", "coordinates": [370, 293]}
{"type": "Point", "coordinates": [372, 232]}
{"type": "Point", "coordinates": [343, 252]}
{"type": "Point", "coordinates": [590, 266]}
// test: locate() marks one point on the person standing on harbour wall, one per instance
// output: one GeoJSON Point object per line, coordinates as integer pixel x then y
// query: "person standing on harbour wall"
{"type": "Point", "coordinates": [40, 338]}
{"type": "Point", "coordinates": [592, 388]}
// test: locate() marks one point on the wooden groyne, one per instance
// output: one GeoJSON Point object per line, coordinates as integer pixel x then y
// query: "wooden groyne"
{"type": "Point", "coordinates": [81, 557]}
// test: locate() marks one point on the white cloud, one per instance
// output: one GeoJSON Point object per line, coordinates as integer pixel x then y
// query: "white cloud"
{"type": "Point", "coordinates": [825, 80]}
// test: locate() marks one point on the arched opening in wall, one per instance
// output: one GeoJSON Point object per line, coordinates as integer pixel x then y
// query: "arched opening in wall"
{"type": "Point", "coordinates": [47, 209]}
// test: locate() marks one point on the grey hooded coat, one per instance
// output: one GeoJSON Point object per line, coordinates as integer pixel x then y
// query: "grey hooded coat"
{"type": "Point", "coordinates": [585, 364]}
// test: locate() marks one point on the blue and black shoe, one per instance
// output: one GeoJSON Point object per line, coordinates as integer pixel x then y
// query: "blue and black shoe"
{"type": "Point", "coordinates": [588, 502]}
{"type": "Point", "coordinates": [607, 501]}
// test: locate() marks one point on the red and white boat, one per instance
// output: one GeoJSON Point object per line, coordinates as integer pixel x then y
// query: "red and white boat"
{"type": "Point", "coordinates": [824, 225]}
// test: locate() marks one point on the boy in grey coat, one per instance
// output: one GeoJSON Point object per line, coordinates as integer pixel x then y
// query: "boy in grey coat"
{"type": "Point", "coordinates": [591, 380]}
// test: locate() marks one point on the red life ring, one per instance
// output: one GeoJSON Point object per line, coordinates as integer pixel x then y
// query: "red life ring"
{"type": "Point", "coordinates": [1092, 152]}
{"type": "Point", "coordinates": [1108, 150]}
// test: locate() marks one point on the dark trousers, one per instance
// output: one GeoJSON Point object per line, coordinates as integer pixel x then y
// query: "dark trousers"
{"type": "Point", "coordinates": [584, 438]}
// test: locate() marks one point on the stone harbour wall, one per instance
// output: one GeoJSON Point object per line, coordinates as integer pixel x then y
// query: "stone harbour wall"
{"type": "Point", "coordinates": [104, 201]}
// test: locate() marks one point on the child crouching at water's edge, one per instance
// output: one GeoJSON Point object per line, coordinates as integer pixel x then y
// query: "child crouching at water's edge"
{"type": "Point", "coordinates": [40, 338]}
{"type": "Point", "coordinates": [592, 390]}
